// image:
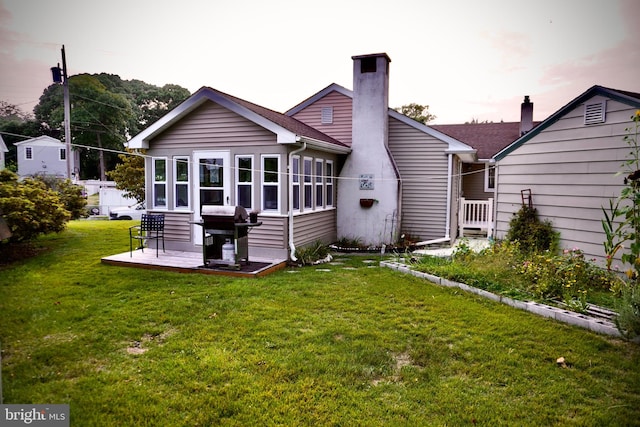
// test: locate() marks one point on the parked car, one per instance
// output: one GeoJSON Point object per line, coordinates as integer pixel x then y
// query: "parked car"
{"type": "Point", "coordinates": [128, 212]}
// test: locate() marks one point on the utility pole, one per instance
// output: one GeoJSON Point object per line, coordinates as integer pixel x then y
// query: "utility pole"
{"type": "Point", "coordinates": [59, 77]}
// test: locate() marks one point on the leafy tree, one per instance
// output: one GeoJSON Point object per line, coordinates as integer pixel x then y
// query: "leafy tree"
{"type": "Point", "coordinates": [30, 208]}
{"type": "Point", "coordinates": [417, 112]}
{"type": "Point", "coordinates": [105, 112]}
{"type": "Point", "coordinates": [99, 118]}
{"type": "Point", "coordinates": [70, 194]}
{"type": "Point", "coordinates": [129, 176]}
{"type": "Point", "coordinates": [15, 125]}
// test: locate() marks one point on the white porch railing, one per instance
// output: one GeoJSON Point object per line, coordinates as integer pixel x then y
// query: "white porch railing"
{"type": "Point", "coordinates": [476, 214]}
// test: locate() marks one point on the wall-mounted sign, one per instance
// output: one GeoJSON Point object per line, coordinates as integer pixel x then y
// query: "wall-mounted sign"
{"type": "Point", "coordinates": [366, 181]}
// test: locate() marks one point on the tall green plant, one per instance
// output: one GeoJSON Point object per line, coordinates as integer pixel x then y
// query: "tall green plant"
{"type": "Point", "coordinates": [533, 235]}
{"type": "Point", "coordinates": [625, 210]}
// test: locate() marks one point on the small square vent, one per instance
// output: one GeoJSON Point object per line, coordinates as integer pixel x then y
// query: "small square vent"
{"type": "Point", "coordinates": [327, 115]}
{"type": "Point", "coordinates": [595, 113]}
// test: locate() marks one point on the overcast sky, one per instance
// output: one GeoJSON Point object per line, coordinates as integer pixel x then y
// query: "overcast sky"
{"type": "Point", "coordinates": [466, 59]}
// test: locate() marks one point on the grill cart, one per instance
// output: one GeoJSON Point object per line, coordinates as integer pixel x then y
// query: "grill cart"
{"type": "Point", "coordinates": [225, 235]}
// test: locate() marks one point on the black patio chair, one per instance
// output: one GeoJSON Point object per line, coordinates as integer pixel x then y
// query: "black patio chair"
{"type": "Point", "coordinates": [151, 228]}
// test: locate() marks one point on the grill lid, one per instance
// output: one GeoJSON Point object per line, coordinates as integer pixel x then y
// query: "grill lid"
{"type": "Point", "coordinates": [238, 213]}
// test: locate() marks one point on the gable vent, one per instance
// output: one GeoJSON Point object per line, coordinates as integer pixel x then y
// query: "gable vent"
{"type": "Point", "coordinates": [594, 113]}
{"type": "Point", "coordinates": [327, 115]}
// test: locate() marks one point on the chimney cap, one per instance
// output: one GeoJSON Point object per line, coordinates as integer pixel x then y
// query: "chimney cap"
{"type": "Point", "coordinates": [526, 99]}
{"type": "Point", "coordinates": [372, 55]}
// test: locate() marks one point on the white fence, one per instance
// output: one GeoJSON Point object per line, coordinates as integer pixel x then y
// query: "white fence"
{"type": "Point", "coordinates": [477, 215]}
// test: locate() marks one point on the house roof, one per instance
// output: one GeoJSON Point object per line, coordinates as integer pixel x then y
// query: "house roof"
{"type": "Point", "coordinates": [3, 146]}
{"type": "Point", "coordinates": [287, 129]}
{"type": "Point", "coordinates": [41, 140]}
{"type": "Point", "coordinates": [630, 98]}
{"type": "Point", "coordinates": [487, 138]}
{"type": "Point", "coordinates": [455, 146]}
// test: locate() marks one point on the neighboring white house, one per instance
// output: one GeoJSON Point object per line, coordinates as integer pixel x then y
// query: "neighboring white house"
{"type": "Point", "coordinates": [568, 163]}
{"type": "Point", "coordinates": [3, 150]}
{"type": "Point", "coordinates": [43, 155]}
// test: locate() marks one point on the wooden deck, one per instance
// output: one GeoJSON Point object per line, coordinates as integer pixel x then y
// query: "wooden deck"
{"type": "Point", "coordinates": [191, 262]}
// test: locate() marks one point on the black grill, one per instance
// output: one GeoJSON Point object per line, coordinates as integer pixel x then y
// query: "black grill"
{"type": "Point", "coordinates": [225, 225]}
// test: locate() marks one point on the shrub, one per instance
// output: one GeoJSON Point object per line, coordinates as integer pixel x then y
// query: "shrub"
{"type": "Point", "coordinates": [532, 234]}
{"type": "Point", "coordinates": [30, 208]}
{"type": "Point", "coordinates": [568, 276]}
{"type": "Point", "coordinates": [312, 253]}
{"type": "Point", "coordinates": [70, 194]}
{"type": "Point", "coordinates": [628, 319]}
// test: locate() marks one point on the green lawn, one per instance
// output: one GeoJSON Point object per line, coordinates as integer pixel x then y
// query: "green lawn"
{"type": "Point", "coordinates": [357, 345]}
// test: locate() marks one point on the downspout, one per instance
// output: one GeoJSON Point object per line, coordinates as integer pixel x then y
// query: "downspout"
{"type": "Point", "coordinates": [447, 226]}
{"type": "Point", "coordinates": [290, 201]}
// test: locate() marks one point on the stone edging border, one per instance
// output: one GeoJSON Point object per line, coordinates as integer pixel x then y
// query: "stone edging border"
{"type": "Point", "coordinates": [600, 326]}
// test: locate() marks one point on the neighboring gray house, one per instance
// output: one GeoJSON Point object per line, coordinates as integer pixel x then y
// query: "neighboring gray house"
{"type": "Point", "coordinates": [3, 150]}
{"type": "Point", "coordinates": [42, 156]}
{"type": "Point", "coordinates": [569, 164]}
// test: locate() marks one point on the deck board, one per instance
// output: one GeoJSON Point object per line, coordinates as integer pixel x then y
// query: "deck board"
{"type": "Point", "coordinates": [190, 262]}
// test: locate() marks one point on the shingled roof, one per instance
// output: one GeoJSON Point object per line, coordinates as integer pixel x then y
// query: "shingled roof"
{"type": "Point", "coordinates": [287, 129]}
{"type": "Point", "coordinates": [487, 138]}
{"type": "Point", "coordinates": [280, 119]}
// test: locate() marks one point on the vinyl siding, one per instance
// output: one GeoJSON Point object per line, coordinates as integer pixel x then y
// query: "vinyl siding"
{"type": "Point", "coordinates": [570, 168]}
{"type": "Point", "coordinates": [176, 226]}
{"type": "Point", "coordinates": [271, 234]}
{"type": "Point", "coordinates": [311, 227]}
{"type": "Point", "coordinates": [473, 183]}
{"type": "Point", "coordinates": [211, 126]}
{"type": "Point", "coordinates": [423, 167]}
{"type": "Point", "coordinates": [340, 129]}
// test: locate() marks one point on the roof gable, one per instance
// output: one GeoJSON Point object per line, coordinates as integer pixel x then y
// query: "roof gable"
{"type": "Point", "coordinates": [630, 98]}
{"type": "Point", "coordinates": [43, 140]}
{"type": "Point", "coordinates": [455, 146]}
{"type": "Point", "coordinates": [287, 129]}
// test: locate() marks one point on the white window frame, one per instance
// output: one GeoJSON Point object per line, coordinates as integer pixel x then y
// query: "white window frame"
{"type": "Point", "coordinates": [307, 178]}
{"type": "Point", "coordinates": [176, 182]}
{"type": "Point", "coordinates": [275, 184]}
{"type": "Point", "coordinates": [62, 154]}
{"type": "Point", "coordinates": [28, 153]}
{"type": "Point", "coordinates": [319, 189]}
{"type": "Point", "coordinates": [295, 183]}
{"type": "Point", "coordinates": [250, 184]}
{"type": "Point", "coordinates": [489, 168]}
{"type": "Point", "coordinates": [156, 182]}
{"type": "Point", "coordinates": [328, 184]}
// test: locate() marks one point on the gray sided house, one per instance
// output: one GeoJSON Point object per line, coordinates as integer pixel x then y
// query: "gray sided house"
{"type": "Point", "coordinates": [42, 156]}
{"type": "Point", "coordinates": [569, 164]}
{"type": "Point", "coordinates": [216, 149]}
{"type": "Point", "coordinates": [3, 153]}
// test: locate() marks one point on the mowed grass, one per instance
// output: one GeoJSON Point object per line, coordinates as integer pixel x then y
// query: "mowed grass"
{"type": "Point", "coordinates": [356, 345]}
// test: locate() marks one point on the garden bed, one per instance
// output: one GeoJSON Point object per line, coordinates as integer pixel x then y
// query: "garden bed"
{"type": "Point", "coordinates": [598, 324]}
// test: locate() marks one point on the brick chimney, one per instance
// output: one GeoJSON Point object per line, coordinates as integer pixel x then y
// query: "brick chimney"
{"type": "Point", "coordinates": [526, 116]}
